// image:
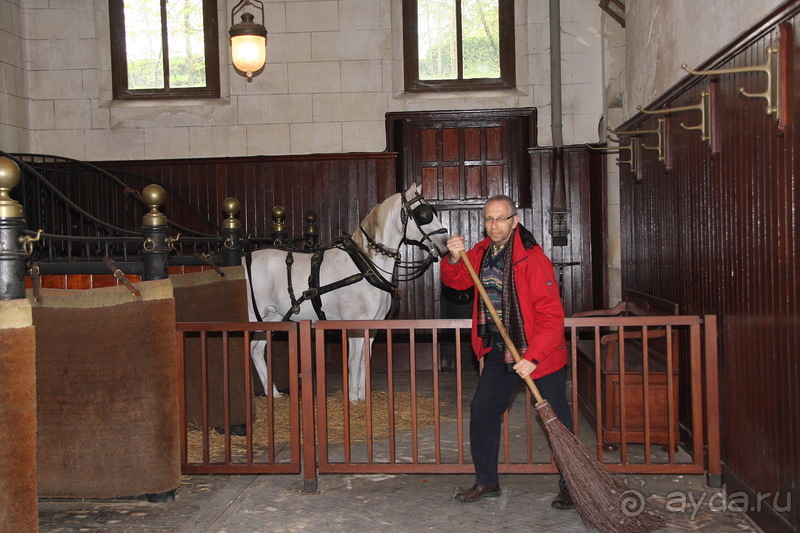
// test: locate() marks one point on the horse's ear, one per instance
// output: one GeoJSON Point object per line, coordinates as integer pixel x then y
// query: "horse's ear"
{"type": "Point", "coordinates": [413, 190]}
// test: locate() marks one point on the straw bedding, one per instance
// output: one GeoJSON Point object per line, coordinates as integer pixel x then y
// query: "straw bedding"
{"type": "Point", "coordinates": [335, 420]}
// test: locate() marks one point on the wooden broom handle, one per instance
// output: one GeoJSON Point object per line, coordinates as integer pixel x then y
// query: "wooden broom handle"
{"type": "Point", "coordinates": [499, 323]}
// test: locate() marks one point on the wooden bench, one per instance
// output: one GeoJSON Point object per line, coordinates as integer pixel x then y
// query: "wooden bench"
{"type": "Point", "coordinates": [633, 304]}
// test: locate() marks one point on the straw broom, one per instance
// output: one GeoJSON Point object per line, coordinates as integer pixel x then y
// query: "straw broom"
{"type": "Point", "coordinates": [602, 501]}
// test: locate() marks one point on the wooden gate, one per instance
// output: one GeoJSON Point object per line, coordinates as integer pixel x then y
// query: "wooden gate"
{"type": "Point", "coordinates": [416, 417]}
{"type": "Point", "coordinates": [226, 428]}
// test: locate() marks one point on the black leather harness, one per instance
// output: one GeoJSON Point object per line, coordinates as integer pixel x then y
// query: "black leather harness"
{"type": "Point", "coordinates": [422, 215]}
{"type": "Point", "coordinates": [314, 292]}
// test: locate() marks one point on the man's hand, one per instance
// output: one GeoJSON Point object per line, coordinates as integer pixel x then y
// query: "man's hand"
{"type": "Point", "coordinates": [456, 245]}
{"type": "Point", "coordinates": [524, 368]}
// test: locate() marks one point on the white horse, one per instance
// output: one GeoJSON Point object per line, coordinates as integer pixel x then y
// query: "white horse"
{"type": "Point", "coordinates": [354, 280]}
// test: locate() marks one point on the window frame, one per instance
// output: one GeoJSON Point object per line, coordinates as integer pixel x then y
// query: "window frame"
{"type": "Point", "coordinates": [119, 63]}
{"type": "Point", "coordinates": [506, 42]}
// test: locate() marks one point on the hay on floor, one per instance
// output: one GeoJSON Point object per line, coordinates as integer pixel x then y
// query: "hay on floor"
{"type": "Point", "coordinates": [357, 412]}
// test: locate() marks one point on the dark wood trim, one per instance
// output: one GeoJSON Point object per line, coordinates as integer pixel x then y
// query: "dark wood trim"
{"type": "Point", "coordinates": [256, 158]}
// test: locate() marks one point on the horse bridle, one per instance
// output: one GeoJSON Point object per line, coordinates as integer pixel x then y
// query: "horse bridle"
{"type": "Point", "coordinates": [422, 215]}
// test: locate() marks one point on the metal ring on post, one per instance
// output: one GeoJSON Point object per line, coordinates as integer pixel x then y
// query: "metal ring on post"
{"type": "Point", "coordinates": [152, 245]}
{"type": "Point", "coordinates": [228, 243]}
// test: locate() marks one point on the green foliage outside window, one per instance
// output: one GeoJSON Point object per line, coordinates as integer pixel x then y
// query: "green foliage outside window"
{"type": "Point", "coordinates": [145, 36]}
{"type": "Point", "coordinates": [438, 39]}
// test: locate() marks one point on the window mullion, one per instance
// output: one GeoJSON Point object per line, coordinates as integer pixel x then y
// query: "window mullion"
{"type": "Point", "coordinates": [459, 43]}
{"type": "Point", "coordinates": [165, 44]}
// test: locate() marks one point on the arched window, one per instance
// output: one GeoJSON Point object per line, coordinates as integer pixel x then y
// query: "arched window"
{"type": "Point", "coordinates": [458, 44]}
{"type": "Point", "coordinates": [164, 49]}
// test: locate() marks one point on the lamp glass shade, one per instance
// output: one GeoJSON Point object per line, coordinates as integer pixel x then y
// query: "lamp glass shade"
{"type": "Point", "coordinates": [249, 52]}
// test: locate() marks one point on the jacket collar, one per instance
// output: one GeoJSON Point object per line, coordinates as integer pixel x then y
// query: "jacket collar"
{"type": "Point", "coordinates": [523, 241]}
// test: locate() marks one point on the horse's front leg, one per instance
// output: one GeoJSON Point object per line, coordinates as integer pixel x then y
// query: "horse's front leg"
{"type": "Point", "coordinates": [257, 354]}
{"type": "Point", "coordinates": [357, 368]}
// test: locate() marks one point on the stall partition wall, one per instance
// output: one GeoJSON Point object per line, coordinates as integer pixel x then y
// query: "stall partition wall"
{"type": "Point", "coordinates": [714, 226]}
{"type": "Point", "coordinates": [342, 188]}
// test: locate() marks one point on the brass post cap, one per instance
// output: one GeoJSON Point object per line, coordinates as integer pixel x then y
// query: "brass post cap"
{"type": "Point", "coordinates": [230, 206]}
{"type": "Point", "coordinates": [311, 218]}
{"type": "Point", "coordinates": [154, 197]}
{"type": "Point", "coordinates": [278, 216]}
{"type": "Point", "coordinates": [10, 175]}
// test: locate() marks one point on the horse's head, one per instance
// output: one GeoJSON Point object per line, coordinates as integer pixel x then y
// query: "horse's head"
{"type": "Point", "coordinates": [421, 223]}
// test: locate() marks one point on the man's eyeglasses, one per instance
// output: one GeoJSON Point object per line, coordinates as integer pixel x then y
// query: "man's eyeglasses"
{"type": "Point", "coordinates": [489, 220]}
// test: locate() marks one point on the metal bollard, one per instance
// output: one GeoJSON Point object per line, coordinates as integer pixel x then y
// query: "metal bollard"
{"type": "Point", "coordinates": [12, 253]}
{"type": "Point", "coordinates": [157, 245]}
{"type": "Point", "coordinates": [231, 233]}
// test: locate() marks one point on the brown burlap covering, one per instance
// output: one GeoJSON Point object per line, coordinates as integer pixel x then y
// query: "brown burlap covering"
{"type": "Point", "coordinates": [207, 297]}
{"type": "Point", "coordinates": [18, 510]}
{"type": "Point", "coordinates": [107, 392]}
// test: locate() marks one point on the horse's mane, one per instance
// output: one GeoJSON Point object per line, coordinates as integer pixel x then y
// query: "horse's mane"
{"type": "Point", "coordinates": [375, 220]}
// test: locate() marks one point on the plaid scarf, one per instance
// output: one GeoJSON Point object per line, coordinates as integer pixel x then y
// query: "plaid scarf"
{"type": "Point", "coordinates": [512, 316]}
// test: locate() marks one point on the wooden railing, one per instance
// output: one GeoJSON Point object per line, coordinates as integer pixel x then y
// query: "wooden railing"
{"type": "Point", "coordinates": [415, 418]}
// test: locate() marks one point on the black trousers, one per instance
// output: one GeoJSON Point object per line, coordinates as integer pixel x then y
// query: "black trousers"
{"type": "Point", "coordinates": [492, 395]}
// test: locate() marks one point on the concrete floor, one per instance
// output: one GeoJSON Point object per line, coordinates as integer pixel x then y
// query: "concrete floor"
{"type": "Point", "coordinates": [369, 503]}
{"type": "Point", "coordinates": [391, 503]}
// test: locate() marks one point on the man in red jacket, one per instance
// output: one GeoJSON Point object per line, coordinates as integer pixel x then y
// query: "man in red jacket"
{"type": "Point", "coordinates": [520, 282]}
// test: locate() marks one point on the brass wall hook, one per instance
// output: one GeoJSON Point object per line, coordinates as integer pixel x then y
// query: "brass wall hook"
{"type": "Point", "coordinates": [772, 93]}
{"type": "Point", "coordinates": [660, 132]}
{"type": "Point", "coordinates": [632, 148]}
{"type": "Point", "coordinates": [704, 106]}
{"type": "Point", "coordinates": [607, 149]}
{"type": "Point", "coordinates": [616, 150]}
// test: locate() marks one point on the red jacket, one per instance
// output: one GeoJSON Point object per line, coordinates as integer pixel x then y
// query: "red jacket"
{"type": "Point", "coordinates": [539, 301]}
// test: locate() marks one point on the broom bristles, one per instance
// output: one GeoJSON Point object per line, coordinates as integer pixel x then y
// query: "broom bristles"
{"type": "Point", "coordinates": [602, 501]}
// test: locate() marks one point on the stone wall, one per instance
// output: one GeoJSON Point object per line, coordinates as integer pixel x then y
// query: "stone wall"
{"type": "Point", "coordinates": [334, 69]}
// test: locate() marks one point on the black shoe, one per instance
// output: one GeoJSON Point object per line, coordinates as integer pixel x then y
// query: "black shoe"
{"type": "Point", "coordinates": [563, 500]}
{"type": "Point", "coordinates": [478, 492]}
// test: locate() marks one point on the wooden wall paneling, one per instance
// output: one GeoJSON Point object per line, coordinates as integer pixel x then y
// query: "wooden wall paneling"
{"type": "Point", "coordinates": [249, 191]}
{"type": "Point", "coordinates": [299, 183]}
{"type": "Point", "coordinates": [598, 224]}
{"type": "Point", "coordinates": [458, 147]}
{"type": "Point", "coordinates": [727, 245]}
{"type": "Point", "coordinates": [224, 183]}
{"type": "Point", "coordinates": [577, 255]}
{"type": "Point", "coordinates": [327, 220]}
{"type": "Point", "coordinates": [740, 330]}
{"type": "Point", "coordinates": [461, 158]}
{"type": "Point", "coordinates": [692, 230]}
{"type": "Point", "coordinates": [578, 283]}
